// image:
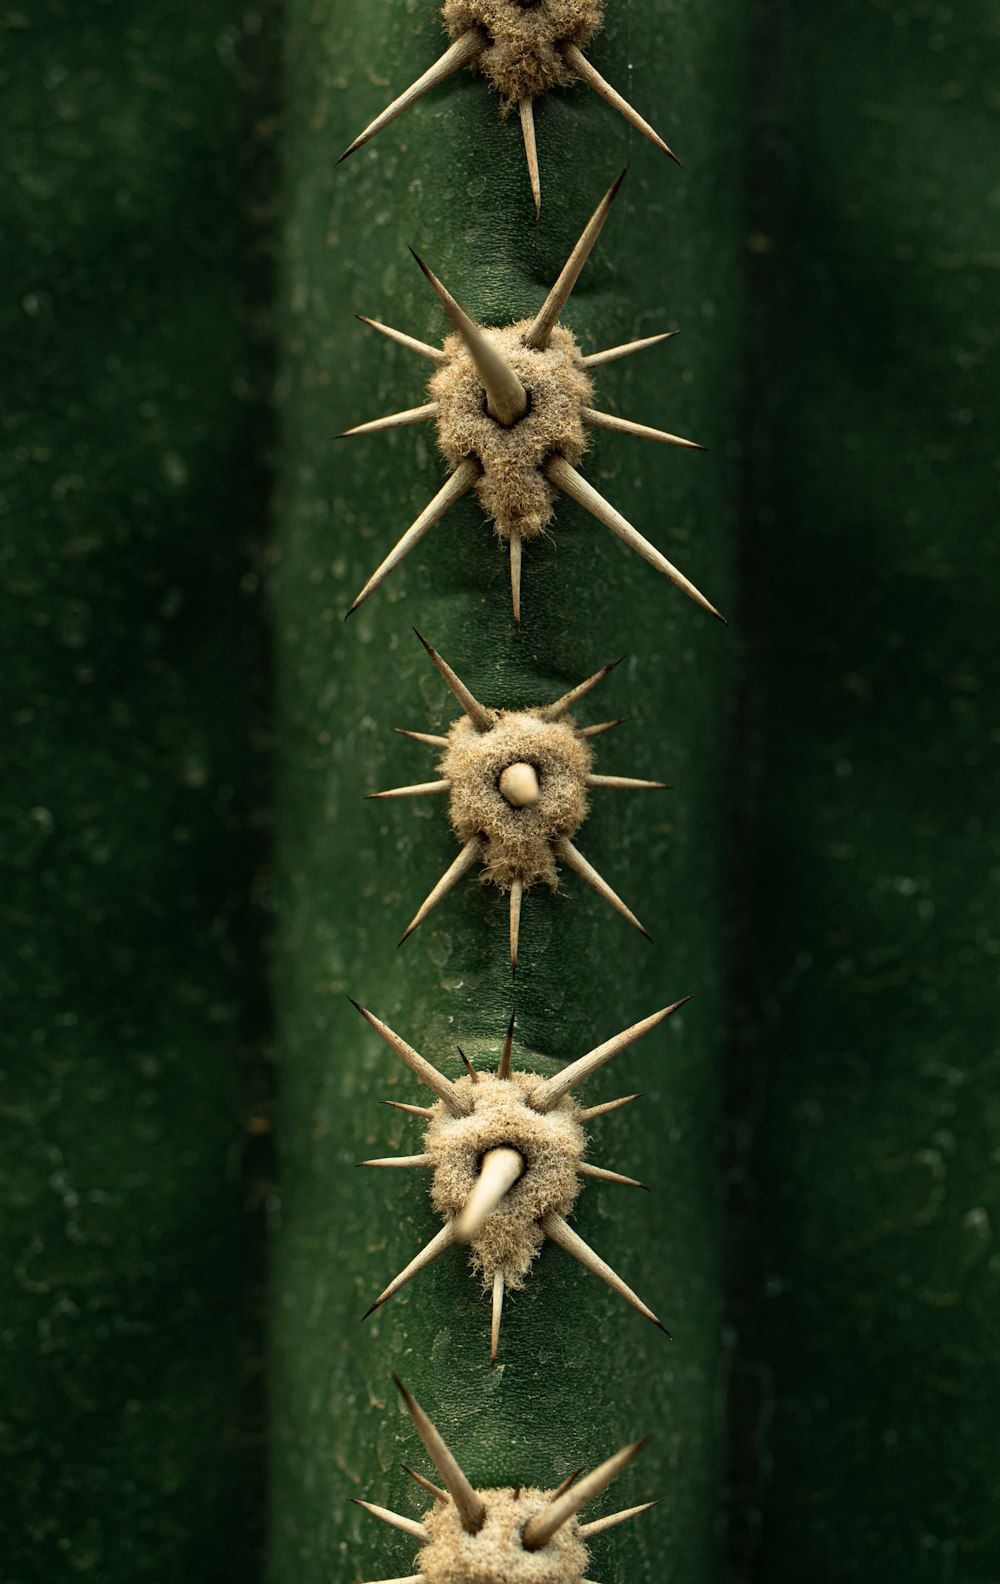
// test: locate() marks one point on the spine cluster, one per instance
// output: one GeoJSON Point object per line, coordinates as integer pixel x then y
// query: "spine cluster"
{"type": "Point", "coordinates": [506, 1152]}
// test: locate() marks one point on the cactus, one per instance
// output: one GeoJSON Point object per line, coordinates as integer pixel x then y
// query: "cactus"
{"type": "Point", "coordinates": [576, 1372]}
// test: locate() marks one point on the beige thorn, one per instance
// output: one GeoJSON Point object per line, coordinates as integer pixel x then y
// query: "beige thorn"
{"type": "Point", "coordinates": [515, 576]}
{"type": "Point", "coordinates": [516, 896]}
{"type": "Point", "coordinates": [424, 1070]}
{"type": "Point", "coordinates": [414, 1110]}
{"type": "Point", "coordinates": [594, 731]}
{"type": "Point", "coordinates": [454, 487]}
{"type": "Point", "coordinates": [429, 738]}
{"type": "Point", "coordinates": [593, 1111]}
{"type": "Point", "coordinates": [464, 49]}
{"type": "Point", "coordinates": [408, 1526]}
{"type": "Point", "coordinates": [468, 1065]}
{"type": "Point", "coordinates": [575, 860]}
{"type": "Point", "coordinates": [425, 1483]}
{"type": "Point", "coordinates": [411, 1578]}
{"type": "Point", "coordinates": [626, 349]}
{"type": "Point", "coordinates": [519, 785]}
{"type": "Point", "coordinates": [496, 1314]}
{"type": "Point", "coordinates": [480, 717]}
{"type": "Point", "coordinates": [544, 322]}
{"type": "Point", "coordinates": [587, 1531]}
{"type": "Point", "coordinates": [419, 789]}
{"type": "Point", "coordinates": [433, 354]}
{"type": "Point", "coordinates": [400, 1160]}
{"type": "Point", "coordinates": [527, 115]}
{"type": "Point", "coordinates": [562, 1234]}
{"type": "Point", "coordinates": [578, 62]}
{"type": "Point", "coordinates": [544, 1524]}
{"type": "Point", "coordinates": [469, 1504]}
{"type": "Point", "coordinates": [437, 1245]}
{"type": "Point", "coordinates": [552, 1090]}
{"type": "Point", "coordinates": [410, 415]}
{"type": "Point", "coordinates": [506, 397]}
{"type": "Point", "coordinates": [601, 1174]}
{"type": "Point", "coordinates": [559, 472]}
{"type": "Point", "coordinates": [556, 710]}
{"type": "Point", "coordinates": [500, 1169]}
{"type": "Point", "coordinates": [452, 875]}
{"type": "Point", "coordinates": [621, 783]}
{"type": "Point", "coordinates": [625, 426]}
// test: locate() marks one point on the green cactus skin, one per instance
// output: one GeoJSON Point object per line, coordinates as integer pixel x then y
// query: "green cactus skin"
{"type": "Point", "coordinates": [576, 1368]}
{"type": "Point", "coordinates": [871, 1068]}
{"type": "Point", "coordinates": [134, 168]}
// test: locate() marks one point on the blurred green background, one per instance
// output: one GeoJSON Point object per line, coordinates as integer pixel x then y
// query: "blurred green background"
{"type": "Point", "coordinates": [857, 1148]}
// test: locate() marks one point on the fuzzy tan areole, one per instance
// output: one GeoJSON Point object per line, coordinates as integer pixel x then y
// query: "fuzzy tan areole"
{"type": "Point", "coordinates": [506, 1152]}
{"type": "Point", "coordinates": [511, 406]}
{"type": "Point", "coordinates": [523, 48]}
{"type": "Point", "coordinates": [506, 1535]}
{"type": "Point", "coordinates": [517, 783]}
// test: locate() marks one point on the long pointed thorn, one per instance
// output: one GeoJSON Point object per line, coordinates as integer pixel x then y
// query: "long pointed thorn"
{"type": "Point", "coordinates": [593, 1111]}
{"type": "Point", "coordinates": [556, 711]}
{"type": "Point", "coordinates": [400, 1161]}
{"type": "Point", "coordinates": [396, 420]}
{"type": "Point", "coordinates": [481, 718]}
{"type": "Point", "coordinates": [418, 789]}
{"type": "Point", "coordinates": [578, 63]}
{"type": "Point", "coordinates": [622, 784]}
{"type": "Point", "coordinates": [527, 115]}
{"type": "Point", "coordinates": [552, 1090]}
{"type": "Point", "coordinates": [540, 1528]}
{"type": "Point", "coordinates": [506, 397]}
{"type": "Point", "coordinates": [574, 859]}
{"type": "Point", "coordinates": [459, 54]}
{"type": "Point", "coordinates": [408, 1526]}
{"type": "Point", "coordinates": [496, 1315]}
{"type": "Point", "coordinates": [454, 487]}
{"type": "Point", "coordinates": [425, 1483]}
{"type": "Point", "coordinates": [399, 1105]}
{"type": "Point", "coordinates": [595, 731]}
{"type": "Point", "coordinates": [589, 1530]}
{"type": "Point", "coordinates": [428, 1254]}
{"type": "Point", "coordinates": [516, 895]}
{"type": "Point", "coordinates": [452, 875]}
{"type": "Point", "coordinates": [562, 1234]}
{"type": "Point", "coordinates": [559, 472]}
{"type": "Point", "coordinates": [468, 1065]}
{"type": "Point", "coordinates": [544, 323]}
{"type": "Point", "coordinates": [411, 1578]}
{"type": "Point", "coordinates": [419, 1065]}
{"type": "Point", "coordinates": [626, 349]}
{"type": "Point", "coordinates": [433, 354]}
{"type": "Point", "coordinates": [503, 1067]}
{"type": "Point", "coordinates": [515, 576]}
{"type": "Point", "coordinates": [469, 1504]}
{"type": "Point", "coordinates": [601, 1174]}
{"type": "Point", "coordinates": [499, 1171]}
{"type": "Point", "coordinates": [625, 426]}
{"type": "Point", "coordinates": [429, 738]}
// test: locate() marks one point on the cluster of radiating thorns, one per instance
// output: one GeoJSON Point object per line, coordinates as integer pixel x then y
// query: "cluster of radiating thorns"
{"type": "Point", "coordinates": [514, 1534]}
{"type": "Point", "coordinates": [506, 1153]}
{"type": "Point", "coordinates": [517, 784]}
{"type": "Point", "coordinates": [523, 48]}
{"type": "Point", "coordinates": [512, 411]}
